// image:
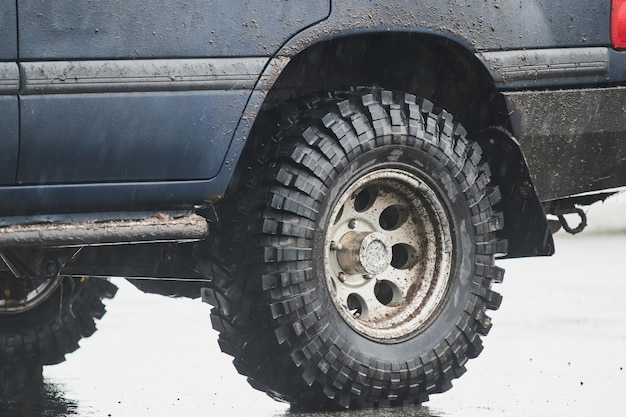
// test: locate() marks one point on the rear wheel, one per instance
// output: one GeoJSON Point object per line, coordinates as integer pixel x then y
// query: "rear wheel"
{"type": "Point", "coordinates": [361, 253]}
{"type": "Point", "coordinates": [42, 319]}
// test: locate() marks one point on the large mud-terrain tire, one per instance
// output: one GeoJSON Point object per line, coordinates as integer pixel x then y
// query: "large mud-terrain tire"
{"type": "Point", "coordinates": [358, 251]}
{"type": "Point", "coordinates": [45, 320]}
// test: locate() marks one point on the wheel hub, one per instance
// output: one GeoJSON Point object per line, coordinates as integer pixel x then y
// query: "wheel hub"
{"type": "Point", "coordinates": [388, 254]}
{"type": "Point", "coordinates": [364, 253]}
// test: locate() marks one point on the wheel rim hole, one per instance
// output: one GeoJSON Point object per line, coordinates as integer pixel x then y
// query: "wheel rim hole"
{"type": "Point", "coordinates": [355, 305]}
{"type": "Point", "coordinates": [393, 217]}
{"type": "Point", "coordinates": [386, 292]}
{"type": "Point", "coordinates": [364, 199]}
{"type": "Point", "coordinates": [403, 256]}
{"type": "Point", "coordinates": [338, 217]}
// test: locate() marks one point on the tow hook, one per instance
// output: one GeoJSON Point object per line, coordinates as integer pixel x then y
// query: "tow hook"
{"type": "Point", "coordinates": [562, 221]}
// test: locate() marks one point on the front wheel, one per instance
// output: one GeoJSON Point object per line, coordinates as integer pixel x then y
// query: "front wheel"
{"type": "Point", "coordinates": [362, 241]}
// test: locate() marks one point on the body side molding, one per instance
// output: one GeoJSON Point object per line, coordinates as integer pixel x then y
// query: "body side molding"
{"type": "Point", "coordinates": [542, 66]}
{"type": "Point", "coordinates": [9, 78]}
{"type": "Point", "coordinates": [67, 77]}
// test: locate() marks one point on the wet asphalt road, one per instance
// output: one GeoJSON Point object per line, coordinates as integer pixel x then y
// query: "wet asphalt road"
{"type": "Point", "coordinates": [557, 348]}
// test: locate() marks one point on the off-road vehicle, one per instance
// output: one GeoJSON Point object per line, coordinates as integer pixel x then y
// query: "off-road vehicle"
{"type": "Point", "coordinates": [336, 177]}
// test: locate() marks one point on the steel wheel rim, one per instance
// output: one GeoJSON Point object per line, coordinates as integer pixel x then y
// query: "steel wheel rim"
{"type": "Point", "coordinates": [388, 254]}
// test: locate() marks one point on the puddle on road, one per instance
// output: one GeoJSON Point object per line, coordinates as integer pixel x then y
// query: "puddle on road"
{"type": "Point", "coordinates": [42, 398]}
{"type": "Point", "coordinates": [34, 398]}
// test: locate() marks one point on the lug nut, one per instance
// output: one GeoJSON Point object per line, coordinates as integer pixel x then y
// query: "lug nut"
{"type": "Point", "coordinates": [341, 277]}
{"type": "Point", "coordinates": [335, 246]}
{"type": "Point", "coordinates": [352, 224]}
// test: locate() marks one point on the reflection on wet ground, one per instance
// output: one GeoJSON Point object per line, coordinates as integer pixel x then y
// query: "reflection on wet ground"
{"type": "Point", "coordinates": [33, 397]}
{"type": "Point", "coordinates": [36, 397]}
{"type": "Point", "coordinates": [383, 412]}
{"type": "Point", "coordinates": [556, 349]}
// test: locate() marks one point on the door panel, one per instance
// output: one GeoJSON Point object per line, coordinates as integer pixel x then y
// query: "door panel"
{"type": "Point", "coordinates": [8, 31]}
{"type": "Point", "coordinates": [126, 136]}
{"type": "Point", "coordinates": [8, 139]}
{"type": "Point", "coordinates": [99, 29]}
{"type": "Point", "coordinates": [132, 91]}
{"type": "Point", "coordinates": [9, 85]}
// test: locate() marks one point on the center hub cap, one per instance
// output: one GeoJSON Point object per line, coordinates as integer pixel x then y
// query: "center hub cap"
{"type": "Point", "coordinates": [375, 253]}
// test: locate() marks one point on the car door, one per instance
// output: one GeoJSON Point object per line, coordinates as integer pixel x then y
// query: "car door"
{"type": "Point", "coordinates": [133, 91]}
{"type": "Point", "coordinates": [9, 84]}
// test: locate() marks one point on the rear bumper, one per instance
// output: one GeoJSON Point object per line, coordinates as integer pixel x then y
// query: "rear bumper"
{"type": "Point", "coordinates": [574, 141]}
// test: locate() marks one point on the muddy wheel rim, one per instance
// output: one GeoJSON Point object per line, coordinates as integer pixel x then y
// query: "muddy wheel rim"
{"type": "Point", "coordinates": [388, 254]}
{"type": "Point", "coordinates": [20, 295]}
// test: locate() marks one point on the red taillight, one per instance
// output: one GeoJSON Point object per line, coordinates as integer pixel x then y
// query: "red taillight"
{"type": "Point", "coordinates": [618, 24]}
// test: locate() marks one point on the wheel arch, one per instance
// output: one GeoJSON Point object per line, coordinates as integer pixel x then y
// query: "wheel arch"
{"type": "Point", "coordinates": [434, 66]}
{"type": "Point", "coordinates": [437, 67]}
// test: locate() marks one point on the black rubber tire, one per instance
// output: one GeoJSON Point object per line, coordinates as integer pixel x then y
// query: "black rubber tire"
{"type": "Point", "coordinates": [272, 306]}
{"type": "Point", "coordinates": [44, 334]}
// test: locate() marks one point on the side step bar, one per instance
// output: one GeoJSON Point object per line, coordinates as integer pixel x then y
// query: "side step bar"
{"type": "Point", "coordinates": [102, 228]}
